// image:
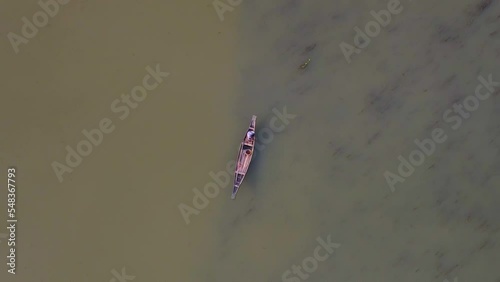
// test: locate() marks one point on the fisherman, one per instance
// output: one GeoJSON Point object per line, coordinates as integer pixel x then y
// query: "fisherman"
{"type": "Point", "coordinates": [250, 134]}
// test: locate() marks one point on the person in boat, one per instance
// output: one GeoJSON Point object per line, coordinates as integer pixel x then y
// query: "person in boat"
{"type": "Point", "coordinates": [250, 135]}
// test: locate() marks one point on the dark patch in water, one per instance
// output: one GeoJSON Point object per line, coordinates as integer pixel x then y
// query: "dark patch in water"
{"type": "Point", "coordinates": [339, 152]}
{"type": "Point", "coordinates": [380, 102]}
{"type": "Point", "coordinates": [448, 35]}
{"type": "Point", "coordinates": [302, 89]}
{"type": "Point", "coordinates": [309, 48]}
{"type": "Point", "coordinates": [481, 7]}
{"type": "Point", "coordinates": [373, 138]}
{"type": "Point", "coordinates": [476, 11]}
{"type": "Point", "coordinates": [448, 81]}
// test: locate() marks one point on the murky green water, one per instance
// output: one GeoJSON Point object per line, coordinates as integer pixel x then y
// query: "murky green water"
{"type": "Point", "coordinates": [317, 173]}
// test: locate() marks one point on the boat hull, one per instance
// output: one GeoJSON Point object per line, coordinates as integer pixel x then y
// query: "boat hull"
{"type": "Point", "coordinates": [245, 154]}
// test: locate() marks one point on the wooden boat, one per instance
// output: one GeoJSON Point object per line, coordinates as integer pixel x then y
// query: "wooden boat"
{"type": "Point", "coordinates": [245, 154]}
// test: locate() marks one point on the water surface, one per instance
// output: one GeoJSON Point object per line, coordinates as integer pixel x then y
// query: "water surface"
{"type": "Point", "coordinates": [322, 175]}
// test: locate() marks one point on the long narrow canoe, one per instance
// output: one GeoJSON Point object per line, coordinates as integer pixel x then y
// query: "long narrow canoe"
{"type": "Point", "coordinates": [245, 154]}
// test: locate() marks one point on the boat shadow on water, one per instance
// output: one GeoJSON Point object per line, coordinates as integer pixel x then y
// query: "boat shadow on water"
{"type": "Point", "coordinates": [252, 179]}
{"type": "Point", "coordinates": [254, 173]}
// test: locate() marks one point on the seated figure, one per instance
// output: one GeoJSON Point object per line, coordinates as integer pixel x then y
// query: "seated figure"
{"type": "Point", "coordinates": [250, 135]}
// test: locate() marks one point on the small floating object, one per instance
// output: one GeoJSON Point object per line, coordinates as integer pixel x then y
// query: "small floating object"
{"type": "Point", "coordinates": [304, 65]}
{"type": "Point", "coordinates": [245, 154]}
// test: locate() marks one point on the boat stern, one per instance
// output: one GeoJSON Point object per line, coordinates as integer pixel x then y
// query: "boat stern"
{"type": "Point", "coordinates": [235, 191]}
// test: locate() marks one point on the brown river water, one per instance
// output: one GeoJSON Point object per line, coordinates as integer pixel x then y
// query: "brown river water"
{"type": "Point", "coordinates": [115, 188]}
